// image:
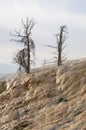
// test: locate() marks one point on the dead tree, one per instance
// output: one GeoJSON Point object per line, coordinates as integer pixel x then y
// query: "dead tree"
{"type": "Point", "coordinates": [60, 37]}
{"type": "Point", "coordinates": [23, 57]}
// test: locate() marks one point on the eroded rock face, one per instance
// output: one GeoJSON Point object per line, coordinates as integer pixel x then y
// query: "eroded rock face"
{"type": "Point", "coordinates": [53, 99]}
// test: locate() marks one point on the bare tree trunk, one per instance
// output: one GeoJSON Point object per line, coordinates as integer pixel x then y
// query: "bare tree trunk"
{"type": "Point", "coordinates": [60, 47]}
{"type": "Point", "coordinates": [59, 57]}
{"type": "Point", "coordinates": [28, 64]}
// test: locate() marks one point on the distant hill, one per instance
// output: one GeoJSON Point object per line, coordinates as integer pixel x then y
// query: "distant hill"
{"type": "Point", "coordinates": [5, 68]}
{"type": "Point", "coordinates": [6, 76]}
{"type": "Point", "coordinates": [3, 76]}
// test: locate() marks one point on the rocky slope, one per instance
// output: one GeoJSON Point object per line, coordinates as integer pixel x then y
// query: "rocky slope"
{"type": "Point", "coordinates": [50, 98]}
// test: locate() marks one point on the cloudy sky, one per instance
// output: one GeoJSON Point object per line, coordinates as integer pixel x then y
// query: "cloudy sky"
{"type": "Point", "coordinates": [49, 15]}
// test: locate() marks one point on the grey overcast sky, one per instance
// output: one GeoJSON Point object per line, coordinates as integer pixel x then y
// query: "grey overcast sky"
{"type": "Point", "coordinates": [49, 14]}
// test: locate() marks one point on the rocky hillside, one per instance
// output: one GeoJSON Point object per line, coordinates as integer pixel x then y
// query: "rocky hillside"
{"type": "Point", "coordinates": [50, 98]}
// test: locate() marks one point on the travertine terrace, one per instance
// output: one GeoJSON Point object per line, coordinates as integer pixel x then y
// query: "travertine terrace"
{"type": "Point", "coordinates": [50, 98]}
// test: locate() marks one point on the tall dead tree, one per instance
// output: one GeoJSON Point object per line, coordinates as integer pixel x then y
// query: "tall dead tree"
{"type": "Point", "coordinates": [23, 57]}
{"type": "Point", "coordinates": [60, 37]}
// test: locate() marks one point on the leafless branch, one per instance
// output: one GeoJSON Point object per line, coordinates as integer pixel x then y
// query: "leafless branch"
{"type": "Point", "coordinates": [51, 46]}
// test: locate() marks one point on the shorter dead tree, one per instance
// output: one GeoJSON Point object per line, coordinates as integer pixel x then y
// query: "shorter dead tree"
{"type": "Point", "coordinates": [60, 37]}
{"type": "Point", "coordinates": [23, 57]}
